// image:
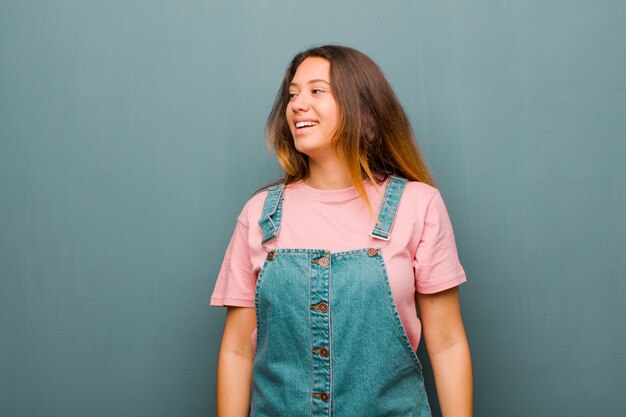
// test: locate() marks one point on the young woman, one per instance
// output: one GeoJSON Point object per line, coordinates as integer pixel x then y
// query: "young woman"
{"type": "Point", "coordinates": [322, 290]}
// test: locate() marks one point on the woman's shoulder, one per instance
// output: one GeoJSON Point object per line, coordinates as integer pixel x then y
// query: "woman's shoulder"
{"type": "Point", "coordinates": [420, 192]}
{"type": "Point", "coordinates": [253, 207]}
{"type": "Point", "coordinates": [426, 200]}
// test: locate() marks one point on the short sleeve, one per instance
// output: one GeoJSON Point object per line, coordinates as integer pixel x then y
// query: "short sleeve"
{"type": "Point", "coordinates": [235, 283]}
{"type": "Point", "coordinates": [436, 262]}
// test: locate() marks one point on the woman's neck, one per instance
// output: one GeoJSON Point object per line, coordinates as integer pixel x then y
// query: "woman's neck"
{"type": "Point", "coordinates": [330, 175]}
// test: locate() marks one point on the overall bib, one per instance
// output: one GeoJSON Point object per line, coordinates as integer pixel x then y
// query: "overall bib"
{"type": "Point", "coordinates": [329, 338]}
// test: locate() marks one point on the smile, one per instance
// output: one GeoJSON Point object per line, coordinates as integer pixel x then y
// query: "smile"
{"type": "Point", "coordinates": [305, 123]}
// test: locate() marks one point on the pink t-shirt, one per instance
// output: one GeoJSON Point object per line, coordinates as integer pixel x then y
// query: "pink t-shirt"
{"type": "Point", "coordinates": [421, 254]}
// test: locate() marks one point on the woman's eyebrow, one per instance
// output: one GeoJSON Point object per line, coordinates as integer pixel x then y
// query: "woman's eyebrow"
{"type": "Point", "coordinates": [310, 82]}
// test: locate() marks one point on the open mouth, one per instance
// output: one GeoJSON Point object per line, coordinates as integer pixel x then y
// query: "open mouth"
{"type": "Point", "coordinates": [305, 125]}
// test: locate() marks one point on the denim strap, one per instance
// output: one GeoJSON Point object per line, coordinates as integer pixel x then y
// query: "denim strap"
{"type": "Point", "coordinates": [388, 207]}
{"type": "Point", "coordinates": [272, 212]}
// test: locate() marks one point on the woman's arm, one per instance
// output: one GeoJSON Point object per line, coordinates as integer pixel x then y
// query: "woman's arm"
{"type": "Point", "coordinates": [448, 351]}
{"type": "Point", "coordinates": [234, 369]}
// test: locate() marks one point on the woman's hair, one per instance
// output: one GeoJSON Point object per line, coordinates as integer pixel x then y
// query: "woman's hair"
{"type": "Point", "coordinates": [373, 134]}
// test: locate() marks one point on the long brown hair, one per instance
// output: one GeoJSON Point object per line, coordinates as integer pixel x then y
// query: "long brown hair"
{"type": "Point", "coordinates": [373, 133]}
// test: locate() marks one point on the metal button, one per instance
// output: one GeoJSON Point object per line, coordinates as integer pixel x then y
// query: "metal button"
{"type": "Point", "coordinates": [323, 307]}
{"type": "Point", "coordinates": [324, 352]}
{"type": "Point", "coordinates": [322, 396]}
{"type": "Point", "coordinates": [372, 251]}
{"type": "Point", "coordinates": [271, 255]}
{"type": "Point", "coordinates": [324, 262]}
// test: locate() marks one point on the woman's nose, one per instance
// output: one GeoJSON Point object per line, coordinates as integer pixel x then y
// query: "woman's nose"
{"type": "Point", "coordinates": [299, 103]}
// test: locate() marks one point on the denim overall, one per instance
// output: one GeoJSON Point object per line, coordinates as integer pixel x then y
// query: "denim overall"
{"type": "Point", "coordinates": [329, 338]}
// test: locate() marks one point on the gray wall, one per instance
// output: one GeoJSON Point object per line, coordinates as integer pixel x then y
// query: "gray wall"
{"type": "Point", "coordinates": [131, 134]}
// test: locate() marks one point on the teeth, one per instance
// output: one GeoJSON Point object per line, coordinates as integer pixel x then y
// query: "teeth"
{"type": "Point", "coordinates": [306, 123]}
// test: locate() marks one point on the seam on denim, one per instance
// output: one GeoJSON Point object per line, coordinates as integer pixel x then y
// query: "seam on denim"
{"type": "Point", "coordinates": [299, 250]}
{"type": "Point", "coordinates": [275, 233]}
{"type": "Point", "coordinates": [398, 199]}
{"type": "Point", "coordinates": [276, 199]}
{"type": "Point", "coordinates": [277, 211]}
{"type": "Point", "coordinates": [383, 201]}
{"type": "Point", "coordinates": [270, 205]}
{"type": "Point", "coordinates": [350, 252]}
{"type": "Point", "coordinates": [311, 340]}
{"type": "Point", "coordinates": [257, 293]}
{"type": "Point", "coordinates": [256, 351]}
{"type": "Point", "coordinates": [396, 184]}
{"type": "Point", "coordinates": [330, 335]}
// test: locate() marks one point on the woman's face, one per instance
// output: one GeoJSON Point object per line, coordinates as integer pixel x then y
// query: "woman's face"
{"type": "Point", "coordinates": [312, 112]}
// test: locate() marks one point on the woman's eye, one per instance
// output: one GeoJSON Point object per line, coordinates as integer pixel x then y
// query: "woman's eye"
{"type": "Point", "coordinates": [316, 90]}
{"type": "Point", "coordinates": [292, 95]}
